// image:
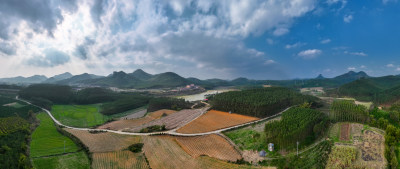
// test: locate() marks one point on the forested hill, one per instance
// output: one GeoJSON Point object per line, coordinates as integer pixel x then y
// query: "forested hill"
{"type": "Point", "coordinates": [379, 90]}
{"type": "Point", "coordinates": [260, 102]}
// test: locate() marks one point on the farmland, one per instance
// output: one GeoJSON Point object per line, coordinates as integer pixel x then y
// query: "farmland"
{"type": "Point", "coordinates": [104, 141]}
{"type": "Point", "coordinates": [79, 115]}
{"type": "Point", "coordinates": [119, 159]}
{"type": "Point", "coordinates": [48, 148]}
{"type": "Point", "coordinates": [166, 154]}
{"type": "Point", "coordinates": [78, 160]}
{"type": "Point", "coordinates": [173, 120]}
{"type": "Point", "coordinates": [210, 145]}
{"type": "Point", "coordinates": [46, 140]}
{"type": "Point", "coordinates": [214, 120]}
{"type": "Point", "coordinates": [342, 157]}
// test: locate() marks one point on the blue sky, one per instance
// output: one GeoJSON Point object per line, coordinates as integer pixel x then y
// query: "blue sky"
{"type": "Point", "coordinates": [258, 39]}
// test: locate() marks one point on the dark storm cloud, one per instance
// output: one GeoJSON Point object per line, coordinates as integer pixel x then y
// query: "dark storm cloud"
{"type": "Point", "coordinates": [51, 58]}
{"type": "Point", "coordinates": [7, 49]}
{"type": "Point", "coordinates": [81, 50]}
{"type": "Point", "coordinates": [41, 15]}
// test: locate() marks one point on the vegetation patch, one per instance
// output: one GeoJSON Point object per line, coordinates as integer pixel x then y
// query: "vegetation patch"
{"type": "Point", "coordinates": [247, 139]}
{"type": "Point", "coordinates": [136, 148]}
{"type": "Point", "coordinates": [154, 128]}
{"type": "Point", "coordinates": [347, 110]}
{"type": "Point", "coordinates": [77, 160]}
{"type": "Point", "coordinates": [261, 102]}
{"type": "Point", "coordinates": [46, 140]}
{"type": "Point", "coordinates": [12, 124]}
{"type": "Point", "coordinates": [342, 157]}
{"type": "Point", "coordinates": [79, 115]}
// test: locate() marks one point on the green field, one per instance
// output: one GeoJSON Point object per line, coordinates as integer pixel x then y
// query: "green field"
{"type": "Point", "coordinates": [79, 115]}
{"type": "Point", "coordinates": [77, 160]}
{"type": "Point", "coordinates": [248, 139]}
{"type": "Point", "coordinates": [46, 140]}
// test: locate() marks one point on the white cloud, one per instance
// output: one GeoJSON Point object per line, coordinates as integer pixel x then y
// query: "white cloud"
{"type": "Point", "coordinates": [363, 66]}
{"type": "Point", "coordinates": [295, 45]}
{"type": "Point", "coordinates": [348, 18]}
{"type": "Point", "coordinates": [267, 62]}
{"type": "Point", "coordinates": [355, 53]}
{"type": "Point", "coordinates": [281, 31]}
{"type": "Point", "coordinates": [398, 69]}
{"type": "Point", "coordinates": [387, 1]}
{"type": "Point", "coordinates": [270, 41]}
{"type": "Point", "coordinates": [309, 54]}
{"type": "Point", "coordinates": [326, 41]}
{"type": "Point", "coordinates": [351, 68]}
{"type": "Point", "coordinates": [390, 65]}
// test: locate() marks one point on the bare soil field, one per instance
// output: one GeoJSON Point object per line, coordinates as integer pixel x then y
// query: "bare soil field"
{"type": "Point", "coordinates": [214, 120]}
{"type": "Point", "coordinates": [119, 159]}
{"type": "Point", "coordinates": [345, 132]}
{"type": "Point", "coordinates": [125, 124]}
{"type": "Point", "coordinates": [104, 142]}
{"type": "Point", "coordinates": [172, 121]}
{"type": "Point", "coordinates": [159, 113]}
{"type": "Point", "coordinates": [163, 152]}
{"type": "Point", "coordinates": [209, 145]}
{"type": "Point", "coordinates": [135, 115]}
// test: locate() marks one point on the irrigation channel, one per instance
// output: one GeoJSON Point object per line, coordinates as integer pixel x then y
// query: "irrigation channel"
{"type": "Point", "coordinates": [169, 132]}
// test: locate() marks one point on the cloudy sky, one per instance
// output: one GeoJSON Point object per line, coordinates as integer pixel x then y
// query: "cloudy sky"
{"type": "Point", "coordinates": [258, 39]}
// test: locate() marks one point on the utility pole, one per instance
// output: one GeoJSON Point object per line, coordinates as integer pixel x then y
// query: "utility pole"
{"type": "Point", "coordinates": [297, 148]}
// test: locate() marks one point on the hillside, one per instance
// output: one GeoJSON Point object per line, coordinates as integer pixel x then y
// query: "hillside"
{"type": "Point", "coordinates": [24, 80]}
{"type": "Point", "coordinates": [59, 77]}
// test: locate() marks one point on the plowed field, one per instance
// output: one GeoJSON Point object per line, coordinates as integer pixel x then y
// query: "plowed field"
{"type": "Point", "coordinates": [209, 145]}
{"type": "Point", "coordinates": [345, 132]}
{"type": "Point", "coordinates": [126, 124]}
{"type": "Point", "coordinates": [119, 159]}
{"type": "Point", "coordinates": [159, 113]}
{"type": "Point", "coordinates": [104, 142]}
{"type": "Point", "coordinates": [214, 120]}
{"type": "Point", "coordinates": [163, 152]}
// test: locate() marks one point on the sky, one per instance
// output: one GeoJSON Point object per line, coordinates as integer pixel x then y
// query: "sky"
{"type": "Point", "coordinates": [257, 39]}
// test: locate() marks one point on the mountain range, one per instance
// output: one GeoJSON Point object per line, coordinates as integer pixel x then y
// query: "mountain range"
{"type": "Point", "coordinates": [140, 79]}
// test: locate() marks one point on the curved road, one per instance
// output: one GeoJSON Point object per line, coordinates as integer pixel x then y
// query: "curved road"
{"type": "Point", "coordinates": [170, 132]}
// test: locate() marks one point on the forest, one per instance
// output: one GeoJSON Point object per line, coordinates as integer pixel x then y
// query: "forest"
{"type": "Point", "coordinates": [347, 110]}
{"type": "Point", "coordinates": [15, 130]}
{"type": "Point", "coordinates": [297, 124]}
{"type": "Point", "coordinates": [261, 102]}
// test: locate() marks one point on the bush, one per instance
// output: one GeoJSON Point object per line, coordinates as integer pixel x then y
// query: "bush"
{"type": "Point", "coordinates": [136, 148]}
{"type": "Point", "coordinates": [154, 128]}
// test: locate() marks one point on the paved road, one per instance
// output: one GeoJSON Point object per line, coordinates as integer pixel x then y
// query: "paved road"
{"type": "Point", "coordinates": [170, 132]}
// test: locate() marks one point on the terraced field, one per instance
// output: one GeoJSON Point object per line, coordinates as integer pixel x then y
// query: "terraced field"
{"type": "Point", "coordinates": [78, 160]}
{"type": "Point", "coordinates": [163, 152]}
{"type": "Point", "coordinates": [209, 145]}
{"type": "Point", "coordinates": [159, 113]}
{"type": "Point", "coordinates": [12, 124]}
{"type": "Point", "coordinates": [214, 120]}
{"type": "Point", "coordinates": [104, 142]}
{"type": "Point", "coordinates": [119, 159]}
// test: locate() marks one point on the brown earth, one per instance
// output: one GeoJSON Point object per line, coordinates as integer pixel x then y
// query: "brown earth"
{"type": "Point", "coordinates": [345, 132]}
{"type": "Point", "coordinates": [119, 159]}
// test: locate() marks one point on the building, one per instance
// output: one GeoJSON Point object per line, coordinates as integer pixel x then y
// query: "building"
{"type": "Point", "coordinates": [262, 153]}
{"type": "Point", "coordinates": [271, 147]}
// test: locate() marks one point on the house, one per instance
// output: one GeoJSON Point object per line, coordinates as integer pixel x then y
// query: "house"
{"type": "Point", "coordinates": [271, 147]}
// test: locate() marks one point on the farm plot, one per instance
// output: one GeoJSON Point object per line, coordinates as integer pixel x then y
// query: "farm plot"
{"type": "Point", "coordinates": [104, 142]}
{"type": "Point", "coordinates": [164, 153]}
{"type": "Point", "coordinates": [342, 157]}
{"type": "Point", "coordinates": [77, 160]}
{"type": "Point", "coordinates": [125, 124]}
{"type": "Point", "coordinates": [46, 140]}
{"type": "Point", "coordinates": [79, 115]}
{"type": "Point", "coordinates": [173, 120]}
{"type": "Point", "coordinates": [345, 132]}
{"type": "Point", "coordinates": [210, 145]}
{"type": "Point", "coordinates": [160, 113]}
{"type": "Point", "coordinates": [214, 120]}
{"type": "Point", "coordinates": [12, 124]}
{"type": "Point", "coordinates": [135, 114]}
{"type": "Point", "coordinates": [119, 159]}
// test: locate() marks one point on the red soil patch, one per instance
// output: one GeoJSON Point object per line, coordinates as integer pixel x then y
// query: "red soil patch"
{"type": "Point", "coordinates": [345, 132]}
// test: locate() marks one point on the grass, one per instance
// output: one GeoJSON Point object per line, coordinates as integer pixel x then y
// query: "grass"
{"type": "Point", "coordinates": [247, 139]}
{"type": "Point", "coordinates": [79, 115]}
{"type": "Point", "coordinates": [46, 140]}
{"type": "Point", "coordinates": [77, 160]}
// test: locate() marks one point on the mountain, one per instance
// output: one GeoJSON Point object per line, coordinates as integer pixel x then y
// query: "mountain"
{"type": "Point", "coordinates": [24, 80]}
{"type": "Point", "coordinates": [320, 77]}
{"type": "Point", "coordinates": [77, 79]}
{"type": "Point", "coordinates": [351, 76]}
{"type": "Point", "coordinates": [140, 74]}
{"type": "Point", "coordinates": [59, 77]}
